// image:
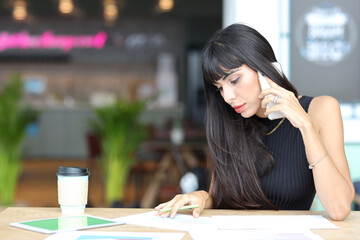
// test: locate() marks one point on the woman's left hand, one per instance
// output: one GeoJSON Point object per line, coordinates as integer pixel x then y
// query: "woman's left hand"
{"type": "Point", "coordinates": [287, 104]}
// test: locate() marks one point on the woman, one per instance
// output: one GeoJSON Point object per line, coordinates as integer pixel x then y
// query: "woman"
{"type": "Point", "coordinates": [257, 163]}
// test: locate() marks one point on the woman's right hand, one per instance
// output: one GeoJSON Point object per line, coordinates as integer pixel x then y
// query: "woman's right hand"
{"type": "Point", "coordinates": [199, 197]}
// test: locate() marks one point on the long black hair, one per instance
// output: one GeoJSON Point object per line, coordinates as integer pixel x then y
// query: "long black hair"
{"type": "Point", "coordinates": [238, 153]}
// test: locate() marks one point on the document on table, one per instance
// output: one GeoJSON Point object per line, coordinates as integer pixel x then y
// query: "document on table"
{"type": "Point", "coordinates": [250, 227]}
{"type": "Point", "coordinates": [180, 222]}
{"type": "Point", "coordinates": [252, 222]}
{"type": "Point", "coordinates": [265, 234]}
{"type": "Point", "coordinates": [101, 235]}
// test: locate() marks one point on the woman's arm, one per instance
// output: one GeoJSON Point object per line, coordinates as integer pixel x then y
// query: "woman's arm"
{"type": "Point", "coordinates": [324, 133]}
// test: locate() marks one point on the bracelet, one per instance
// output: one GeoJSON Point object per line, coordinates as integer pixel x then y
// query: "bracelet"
{"type": "Point", "coordinates": [311, 166]}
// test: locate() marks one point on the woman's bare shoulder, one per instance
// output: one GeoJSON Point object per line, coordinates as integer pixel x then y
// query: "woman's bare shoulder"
{"type": "Point", "coordinates": [324, 108]}
{"type": "Point", "coordinates": [323, 104]}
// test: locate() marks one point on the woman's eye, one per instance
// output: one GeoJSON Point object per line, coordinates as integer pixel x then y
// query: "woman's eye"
{"type": "Point", "coordinates": [219, 89]}
{"type": "Point", "coordinates": [234, 80]}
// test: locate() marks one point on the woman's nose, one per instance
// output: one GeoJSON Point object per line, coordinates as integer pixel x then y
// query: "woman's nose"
{"type": "Point", "coordinates": [228, 94]}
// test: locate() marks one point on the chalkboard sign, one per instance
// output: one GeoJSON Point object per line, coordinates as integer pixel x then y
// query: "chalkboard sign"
{"type": "Point", "coordinates": [325, 49]}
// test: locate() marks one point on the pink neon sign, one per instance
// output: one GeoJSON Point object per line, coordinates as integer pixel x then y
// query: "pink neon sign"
{"type": "Point", "coordinates": [48, 40]}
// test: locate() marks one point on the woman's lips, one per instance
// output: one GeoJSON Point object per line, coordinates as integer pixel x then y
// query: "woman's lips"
{"type": "Point", "coordinates": [239, 108]}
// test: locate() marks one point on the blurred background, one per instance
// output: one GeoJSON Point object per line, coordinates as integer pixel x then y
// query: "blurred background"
{"type": "Point", "coordinates": [75, 58]}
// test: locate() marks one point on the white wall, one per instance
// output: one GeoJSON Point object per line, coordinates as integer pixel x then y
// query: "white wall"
{"type": "Point", "coordinates": [269, 17]}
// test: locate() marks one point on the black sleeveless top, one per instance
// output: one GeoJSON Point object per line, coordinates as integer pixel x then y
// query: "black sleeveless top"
{"type": "Point", "coordinates": [290, 184]}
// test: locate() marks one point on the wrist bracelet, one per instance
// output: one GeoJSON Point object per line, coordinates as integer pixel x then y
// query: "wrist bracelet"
{"type": "Point", "coordinates": [311, 166]}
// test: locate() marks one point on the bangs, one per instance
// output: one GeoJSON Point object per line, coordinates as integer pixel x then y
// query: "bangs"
{"type": "Point", "coordinates": [218, 61]}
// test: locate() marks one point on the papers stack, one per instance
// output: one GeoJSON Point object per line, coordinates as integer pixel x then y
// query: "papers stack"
{"type": "Point", "coordinates": [250, 227]}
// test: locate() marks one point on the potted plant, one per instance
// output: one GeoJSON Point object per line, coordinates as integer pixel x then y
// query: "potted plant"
{"type": "Point", "coordinates": [14, 119]}
{"type": "Point", "coordinates": [120, 134]}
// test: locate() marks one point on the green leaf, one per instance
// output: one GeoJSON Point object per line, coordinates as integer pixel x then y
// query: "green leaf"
{"type": "Point", "coordinates": [14, 119]}
{"type": "Point", "coordinates": [120, 134]}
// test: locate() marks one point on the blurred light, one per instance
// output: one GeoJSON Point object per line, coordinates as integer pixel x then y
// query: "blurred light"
{"type": "Point", "coordinates": [19, 10]}
{"type": "Point", "coordinates": [111, 11]}
{"type": "Point", "coordinates": [166, 5]}
{"type": "Point", "coordinates": [66, 6]}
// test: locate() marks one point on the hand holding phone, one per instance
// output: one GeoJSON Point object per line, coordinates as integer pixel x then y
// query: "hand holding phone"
{"type": "Point", "coordinates": [264, 85]}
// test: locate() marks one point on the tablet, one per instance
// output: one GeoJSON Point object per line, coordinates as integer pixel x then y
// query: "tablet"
{"type": "Point", "coordinates": [66, 223]}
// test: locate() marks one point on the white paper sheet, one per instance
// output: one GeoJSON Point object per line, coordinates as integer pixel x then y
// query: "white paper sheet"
{"type": "Point", "coordinates": [256, 222]}
{"type": "Point", "coordinates": [180, 222]}
{"type": "Point", "coordinates": [102, 235]}
{"type": "Point", "coordinates": [268, 234]}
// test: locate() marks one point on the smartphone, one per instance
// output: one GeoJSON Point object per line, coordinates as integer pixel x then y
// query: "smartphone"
{"type": "Point", "coordinates": [264, 85]}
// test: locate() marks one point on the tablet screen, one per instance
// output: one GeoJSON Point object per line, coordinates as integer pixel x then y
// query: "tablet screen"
{"type": "Point", "coordinates": [52, 225]}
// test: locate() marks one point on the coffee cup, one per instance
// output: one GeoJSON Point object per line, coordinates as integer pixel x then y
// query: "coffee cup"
{"type": "Point", "coordinates": [72, 189]}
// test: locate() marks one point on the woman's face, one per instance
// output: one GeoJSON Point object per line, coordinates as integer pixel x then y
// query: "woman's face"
{"type": "Point", "coordinates": [240, 88]}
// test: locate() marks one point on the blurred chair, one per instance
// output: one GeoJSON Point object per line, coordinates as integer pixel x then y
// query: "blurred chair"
{"type": "Point", "coordinates": [94, 150]}
{"type": "Point", "coordinates": [357, 195]}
